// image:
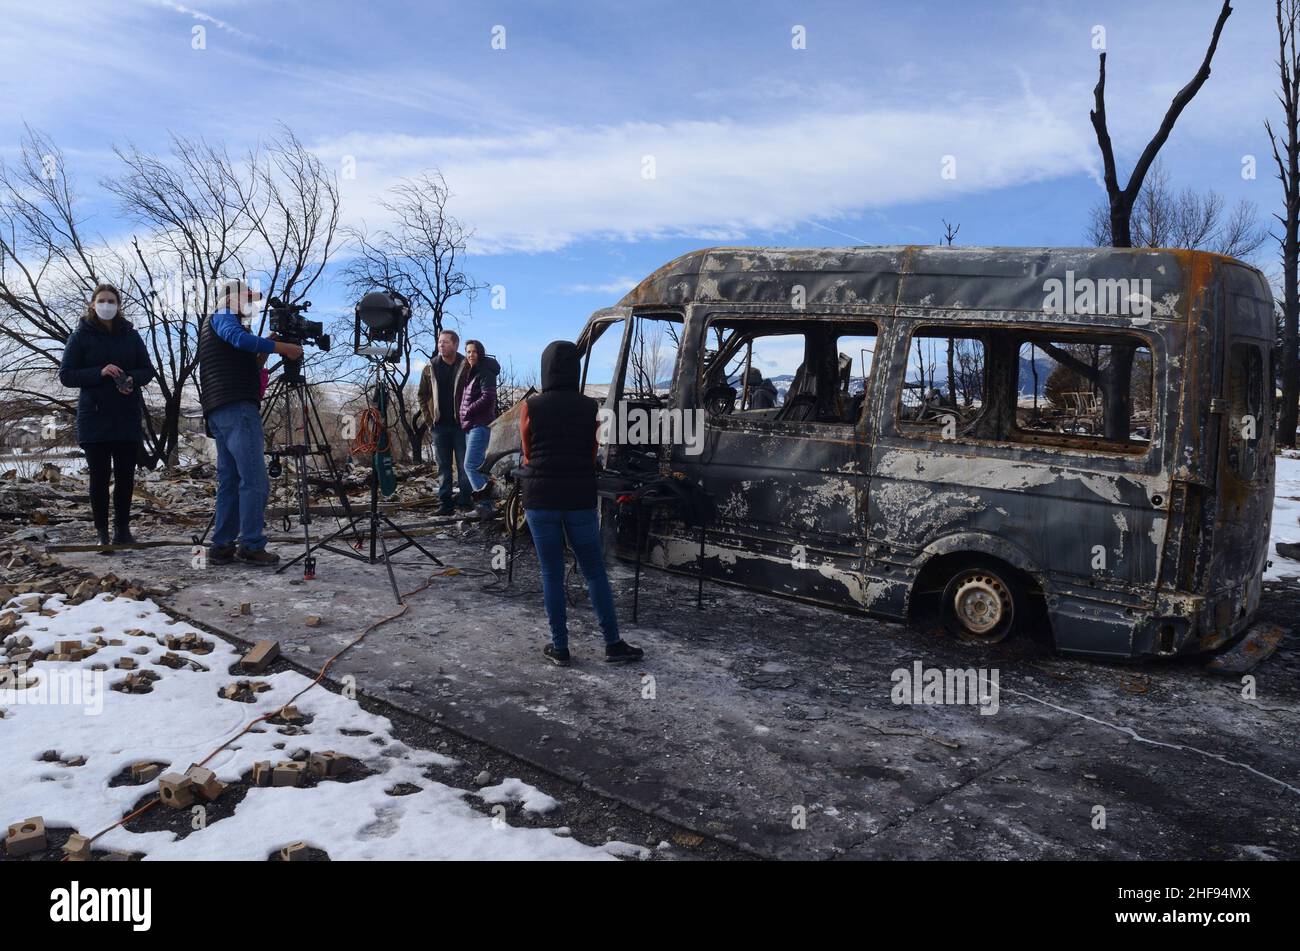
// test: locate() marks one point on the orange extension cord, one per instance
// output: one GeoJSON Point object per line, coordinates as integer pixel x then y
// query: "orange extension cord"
{"type": "Point", "coordinates": [371, 433]}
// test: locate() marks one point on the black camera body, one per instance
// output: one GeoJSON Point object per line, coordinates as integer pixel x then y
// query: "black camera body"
{"type": "Point", "coordinates": [289, 324]}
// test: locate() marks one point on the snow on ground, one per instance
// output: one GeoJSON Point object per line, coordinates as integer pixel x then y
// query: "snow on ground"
{"type": "Point", "coordinates": [1286, 515]}
{"type": "Point", "coordinates": [183, 719]}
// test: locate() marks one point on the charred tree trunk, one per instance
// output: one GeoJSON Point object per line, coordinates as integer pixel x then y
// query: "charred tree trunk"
{"type": "Point", "coordinates": [1287, 157]}
{"type": "Point", "coordinates": [1123, 199]}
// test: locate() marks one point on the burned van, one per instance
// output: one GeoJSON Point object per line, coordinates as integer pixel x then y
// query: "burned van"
{"type": "Point", "coordinates": [1075, 442]}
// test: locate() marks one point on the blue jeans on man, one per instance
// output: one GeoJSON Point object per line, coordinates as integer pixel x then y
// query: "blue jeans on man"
{"type": "Point", "coordinates": [549, 527]}
{"type": "Point", "coordinates": [449, 441]}
{"type": "Point", "coordinates": [242, 485]}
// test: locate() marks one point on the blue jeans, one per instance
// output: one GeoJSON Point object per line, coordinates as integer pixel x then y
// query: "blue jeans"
{"type": "Point", "coordinates": [449, 441]}
{"type": "Point", "coordinates": [549, 528]}
{"type": "Point", "coordinates": [242, 485]}
{"type": "Point", "coordinates": [476, 443]}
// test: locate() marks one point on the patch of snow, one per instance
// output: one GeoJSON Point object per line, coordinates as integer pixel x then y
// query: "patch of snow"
{"type": "Point", "coordinates": [516, 790]}
{"type": "Point", "coordinates": [183, 719]}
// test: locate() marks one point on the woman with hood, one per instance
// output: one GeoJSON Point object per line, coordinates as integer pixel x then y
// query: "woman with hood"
{"type": "Point", "coordinates": [558, 429]}
{"type": "Point", "coordinates": [478, 407]}
{"type": "Point", "coordinates": [106, 359]}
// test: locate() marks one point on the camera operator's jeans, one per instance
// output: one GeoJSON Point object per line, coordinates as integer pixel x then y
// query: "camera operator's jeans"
{"type": "Point", "coordinates": [449, 440]}
{"type": "Point", "coordinates": [549, 528]}
{"type": "Point", "coordinates": [476, 443]}
{"type": "Point", "coordinates": [242, 485]}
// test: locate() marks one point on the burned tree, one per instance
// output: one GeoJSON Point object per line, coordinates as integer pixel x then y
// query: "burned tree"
{"type": "Point", "coordinates": [1286, 153]}
{"type": "Point", "coordinates": [1165, 218]}
{"type": "Point", "coordinates": [419, 256]}
{"type": "Point", "coordinates": [1122, 199]}
{"type": "Point", "coordinates": [271, 216]}
{"type": "Point", "coordinates": [200, 215]}
{"type": "Point", "coordinates": [1114, 380]}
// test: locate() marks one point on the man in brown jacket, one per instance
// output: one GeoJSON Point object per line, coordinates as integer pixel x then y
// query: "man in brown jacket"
{"type": "Point", "coordinates": [439, 397]}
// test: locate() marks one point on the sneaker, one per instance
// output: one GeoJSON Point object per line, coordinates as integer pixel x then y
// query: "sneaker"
{"type": "Point", "coordinates": [221, 554]}
{"type": "Point", "coordinates": [260, 557]}
{"type": "Point", "coordinates": [621, 652]}
{"type": "Point", "coordinates": [559, 656]}
{"type": "Point", "coordinates": [480, 495]}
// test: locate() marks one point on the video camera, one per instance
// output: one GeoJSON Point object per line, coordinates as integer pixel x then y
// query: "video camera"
{"type": "Point", "coordinates": [289, 324]}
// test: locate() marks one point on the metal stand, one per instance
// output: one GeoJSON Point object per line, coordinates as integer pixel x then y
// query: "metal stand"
{"type": "Point", "coordinates": [376, 521]}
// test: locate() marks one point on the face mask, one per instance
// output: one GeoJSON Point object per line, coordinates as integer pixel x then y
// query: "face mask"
{"type": "Point", "coordinates": [105, 310]}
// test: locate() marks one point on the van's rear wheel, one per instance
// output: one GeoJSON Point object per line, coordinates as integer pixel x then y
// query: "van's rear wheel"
{"type": "Point", "coordinates": [983, 603]}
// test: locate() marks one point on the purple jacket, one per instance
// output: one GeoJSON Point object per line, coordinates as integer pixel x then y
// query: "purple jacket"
{"type": "Point", "coordinates": [478, 398]}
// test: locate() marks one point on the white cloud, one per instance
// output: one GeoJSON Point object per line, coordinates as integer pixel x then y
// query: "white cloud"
{"type": "Point", "coordinates": [544, 189]}
{"type": "Point", "coordinates": [619, 286]}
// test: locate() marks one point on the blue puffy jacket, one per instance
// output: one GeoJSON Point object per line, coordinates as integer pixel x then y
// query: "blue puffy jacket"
{"type": "Point", "coordinates": [104, 414]}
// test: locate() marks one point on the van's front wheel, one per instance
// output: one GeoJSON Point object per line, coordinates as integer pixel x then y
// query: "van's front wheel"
{"type": "Point", "coordinates": [982, 604]}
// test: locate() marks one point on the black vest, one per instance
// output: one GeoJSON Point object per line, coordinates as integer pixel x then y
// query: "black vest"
{"type": "Point", "coordinates": [226, 374]}
{"type": "Point", "coordinates": [561, 471]}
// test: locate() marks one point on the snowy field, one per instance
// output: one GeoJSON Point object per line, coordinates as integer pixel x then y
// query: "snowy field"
{"type": "Point", "coordinates": [184, 718]}
{"type": "Point", "coordinates": [1286, 515]}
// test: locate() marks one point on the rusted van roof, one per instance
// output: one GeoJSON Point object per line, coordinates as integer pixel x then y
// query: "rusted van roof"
{"type": "Point", "coordinates": [928, 276]}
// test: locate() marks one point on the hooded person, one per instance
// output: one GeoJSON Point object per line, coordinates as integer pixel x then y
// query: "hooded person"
{"type": "Point", "coordinates": [558, 430]}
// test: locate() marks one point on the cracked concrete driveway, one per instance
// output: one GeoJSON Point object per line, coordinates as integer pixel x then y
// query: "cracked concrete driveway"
{"type": "Point", "coordinates": [771, 725]}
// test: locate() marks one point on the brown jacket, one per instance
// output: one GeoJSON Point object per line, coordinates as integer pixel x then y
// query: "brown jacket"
{"type": "Point", "coordinates": [428, 393]}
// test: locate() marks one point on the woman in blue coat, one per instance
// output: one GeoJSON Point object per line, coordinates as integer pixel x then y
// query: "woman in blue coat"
{"type": "Point", "coordinates": [106, 359]}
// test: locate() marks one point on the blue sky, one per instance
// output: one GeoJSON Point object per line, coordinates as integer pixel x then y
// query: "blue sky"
{"type": "Point", "coordinates": [543, 143]}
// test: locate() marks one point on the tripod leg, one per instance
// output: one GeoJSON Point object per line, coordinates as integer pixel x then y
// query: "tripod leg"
{"type": "Point", "coordinates": [388, 566]}
{"type": "Point", "coordinates": [336, 480]}
{"type": "Point", "coordinates": [408, 541]}
{"type": "Point", "coordinates": [699, 591]}
{"type": "Point", "coordinates": [510, 566]}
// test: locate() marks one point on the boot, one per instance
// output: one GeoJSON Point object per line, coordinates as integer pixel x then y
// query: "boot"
{"type": "Point", "coordinates": [122, 534]}
{"type": "Point", "coordinates": [101, 532]}
{"type": "Point", "coordinates": [260, 557]}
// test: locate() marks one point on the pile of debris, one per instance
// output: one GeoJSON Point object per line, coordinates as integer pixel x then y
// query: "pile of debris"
{"type": "Point", "coordinates": [54, 504]}
{"type": "Point", "coordinates": [24, 572]}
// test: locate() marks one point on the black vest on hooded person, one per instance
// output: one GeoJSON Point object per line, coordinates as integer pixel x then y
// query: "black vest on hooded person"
{"type": "Point", "coordinates": [561, 463]}
{"type": "Point", "coordinates": [561, 470]}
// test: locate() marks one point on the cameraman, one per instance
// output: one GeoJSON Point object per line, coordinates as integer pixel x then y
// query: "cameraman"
{"type": "Point", "coordinates": [230, 363]}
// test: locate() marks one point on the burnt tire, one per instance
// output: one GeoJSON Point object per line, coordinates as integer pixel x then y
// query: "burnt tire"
{"type": "Point", "coordinates": [514, 512]}
{"type": "Point", "coordinates": [984, 602]}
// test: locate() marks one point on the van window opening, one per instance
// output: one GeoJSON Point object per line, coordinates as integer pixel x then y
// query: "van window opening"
{"type": "Point", "coordinates": [787, 371]}
{"type": "Point", "coordinates": [601, 358]}
{"type": "Point", "coordinates": [651, 358]}
{"type": "Point", "coordinates": [1046, 389]}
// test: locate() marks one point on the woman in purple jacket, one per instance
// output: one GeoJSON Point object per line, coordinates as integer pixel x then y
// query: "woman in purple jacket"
{"type": "Point", "coordinates": [478, 407]}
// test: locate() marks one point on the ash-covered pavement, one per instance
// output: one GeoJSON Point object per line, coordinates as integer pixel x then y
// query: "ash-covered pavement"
{"type": "Point", "coordinates": [771, 725]}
